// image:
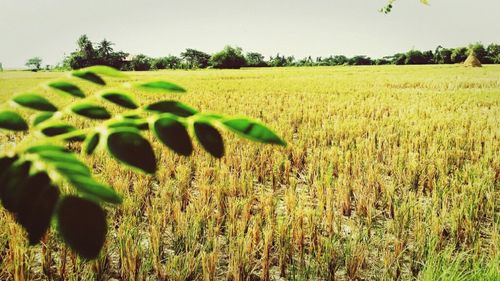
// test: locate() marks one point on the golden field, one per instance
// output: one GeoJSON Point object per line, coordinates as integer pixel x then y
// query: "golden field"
{"type": "Point", "coordinates": [391, 172]}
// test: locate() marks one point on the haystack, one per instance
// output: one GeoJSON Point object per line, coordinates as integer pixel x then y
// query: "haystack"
{"type": "Point", "coordinates": [472, 61]}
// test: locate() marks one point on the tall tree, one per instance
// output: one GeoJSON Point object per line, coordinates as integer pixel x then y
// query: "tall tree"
{"type": "Point", "coordinates": [195, 58]}
{"type": "Point", "coordinates": [34, 63]}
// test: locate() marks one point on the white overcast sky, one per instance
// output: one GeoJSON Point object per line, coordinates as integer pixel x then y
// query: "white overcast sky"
{"type": "Point", "coordinates": [49, 28]}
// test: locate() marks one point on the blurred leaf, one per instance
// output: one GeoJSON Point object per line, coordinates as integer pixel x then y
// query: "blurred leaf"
{"type": "Point", "coordinates": [35, 102]}
{"type": "Point", "coordinates": [91, 111]}
{"type": "Point", "coordinates": [209, 138]}
{"type": "Point", "coordinates": [57, 128]}
{"type": "Point", "coordinates": [120, 99]}
{"type": "Point", "coordinates": [46, 147]}
{"type": "Point", "coordinates": [173, 107]}
{"type": "Point", "coordinates": [253, 130]}
{"type": "Point", "coordinates": [82, 224]}
{"type": "Point", "coordinates": [102, 70]}
{"type": "Point", "coordinates": [41, 117]}
{"type": "Point", "coordinates": [5, 163]}
{"type": "Point", "coordinates": [67, 88]}
{"type": "Point", "coordinates": [14, 177]}
{"type": "Point", "coordinates": [89, 76]}
{"type": "Point", "coordinates": [134, 124]}
{"type": "Point", "coordinates": [131, 148]}
{"type": "Point", "coordinates": [174, 135]}
{"type": "Point", "coordinates": [89, 186]}
{"type": "Point", "coordinates": [91, 143]}
{"type": "Point", "coordinates": [66, 163]}
{"type": "Point", "coordinates": [37, 202]}
{"type": "Point", "coordinates": [12, 121]}
{"type": "Point", "coordinates": [162, 86]}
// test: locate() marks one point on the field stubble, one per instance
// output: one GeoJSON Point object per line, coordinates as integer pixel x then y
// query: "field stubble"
{"type": "Point", "coordinates": [390, 173]}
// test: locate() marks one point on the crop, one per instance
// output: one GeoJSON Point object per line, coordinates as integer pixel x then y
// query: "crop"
{"type": "Point", "coordinates": [390, 172]}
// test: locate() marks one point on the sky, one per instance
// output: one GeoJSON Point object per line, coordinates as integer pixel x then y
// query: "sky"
{"type": "Point", "coordinates": [49, 28]}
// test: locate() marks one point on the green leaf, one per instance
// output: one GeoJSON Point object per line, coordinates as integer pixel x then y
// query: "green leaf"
{"type": "Point", "coordinates": [41, 117]}
{"type": "Point", "coordinates": [66, 163]}
{"type": "Point", "coordinates": [37, 202]}
{"type": "Point", "coordinates": [253, 130]}
{"type": "Point", "coordinates": [102, 70]}
{"type": "Point", "coordinates": [173, 107]}
{"type": "Point", "coordinates": [12, 121]}
{"type": "Point", "coordinates": [68, 88]}
{"type": "Point", "coordinates": [91, 143]}
{"type": "Point", "coordinates": [120, 99]}
{"type": "Point", "coordinates": [56, 128]}
{"type": "Point", "coordinates": [173, 134]}
{"type": "Point", "coordinates": [89, 186]}
{"type": "Point", "coordinates": [133, 124]}
{"type": "Point", "coordinates": [46, 147]}
{"type": "Point", "coordinates": [89, 76]}
{"type": "Point", "coordinates": [35, 102]}
{"type": "Point", "coordinates": [209, 138]}
{"type": "Point", "coordinates": [91, 111]}
{"type": "Point", "coordinates": [161, 86]}
{"type": "Point", "coordinates": [131, 148]}
{"type": "Point", "coordinates": [82, 225]}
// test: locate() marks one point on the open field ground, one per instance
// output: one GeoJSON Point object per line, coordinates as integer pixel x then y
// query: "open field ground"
{"type": "Point", "coordinates": [390, 172]}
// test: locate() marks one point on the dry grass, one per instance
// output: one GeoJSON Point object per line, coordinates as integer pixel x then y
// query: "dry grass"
{"type": "Point", "coordinates": [390, 173]}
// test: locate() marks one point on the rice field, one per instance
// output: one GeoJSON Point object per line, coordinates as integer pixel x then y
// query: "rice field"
{"type": "Point", "coordinates": [390, 173]}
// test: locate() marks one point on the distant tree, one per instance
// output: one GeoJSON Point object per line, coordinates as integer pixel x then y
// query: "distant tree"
{"type": "Point", "coordinates": [255, 60]}
{"type": "Point", "coordinates": [459, 55]}
{"type": "Point", "coordinates": [360, 60]}
{"type": "Point", "coordinates": [442, 55]}
{"type": "Point", "coordinates": [480, 52]}
{"type": "Point", "coordinates": [382, 61]}
{"type": "Point", "coordinates": [34, 64]}
{"type": "Point", "coordinates": [278, 61]}
{"type": "Point", "coordinates": [493, 53]}
{"type": "Point", "coordinates": [1, 67]}
{"type": "Point", "coordinates": [415, 57]}
{"type": "Point", "coordinates": [140, 63]}
{"type": "Point", "coordinates": [340, 60]}
{"type": "Point", "coordinates": [195, 58]}
{"type": "Point", "coordinates": [229, 57]}
{"type": "Point", "coordinates": [87, 55]}
{"type": "Point", "coordinates": [168, 62]}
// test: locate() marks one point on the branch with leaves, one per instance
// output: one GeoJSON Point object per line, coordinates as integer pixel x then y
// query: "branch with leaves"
{"type": "Point", "coordinates": [387, 9]}
{"type": "Point", "coordinates": [42, 181]}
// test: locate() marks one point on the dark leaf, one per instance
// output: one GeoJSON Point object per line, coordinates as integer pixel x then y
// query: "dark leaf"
{"type": "Point", "coordinates": [67, 88]}
{"type": "Point", "coordinates": [161, 86]}
{"type": "Point", "coordinates": [131, 148]}
{"type": "Point", "coordinates": [210, 138]}
{"type": "Point", "coordinates": [14, 177]}
{"type": "Point", "coordinates": [55, 129]}
{"type": "Point", "coordinates": [5, 164]}
{"type": "Point", "coordinates": [41, 117]}
{"type": "Point", "coordinates": [174, 135]}
{"type": "Point", "coordinates": [253, 131]}
{"type": "Point", "coordinates": [12, 121]}
{"type": "Point", "coordinates": [82, 225]}
{"type": "Point", "coordinates": [89, 76]}
{"type": "Point", "coordinates": [34, 101]}
{"type": "Point", "coordinates": [91, 111]}
{"type": "Point", "coordinates": [120, 99]}
{"type": "Point", "coordinates": [37, 201]}
{"type": "Point", "coordinates": [173, 107]}
{"type": "Point", "coordinates": [91, 143]}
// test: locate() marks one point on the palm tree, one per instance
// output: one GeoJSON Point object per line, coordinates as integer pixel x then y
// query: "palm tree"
{"type": "Point", "coordinates": [105, 48]}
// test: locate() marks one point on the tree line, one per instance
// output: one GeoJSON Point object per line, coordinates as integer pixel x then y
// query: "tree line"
{"type": "Point", "coordinates": [103, 53]}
